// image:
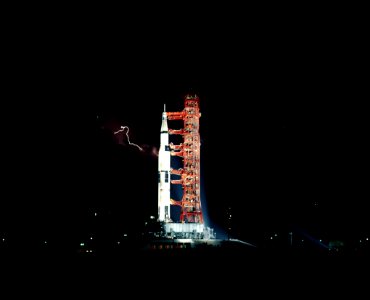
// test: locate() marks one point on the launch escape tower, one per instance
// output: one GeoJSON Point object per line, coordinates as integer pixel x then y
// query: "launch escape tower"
{"type": "Point", "coordinates": [191, 223]}
{"type": "Point", "coordinates": [189, 150]}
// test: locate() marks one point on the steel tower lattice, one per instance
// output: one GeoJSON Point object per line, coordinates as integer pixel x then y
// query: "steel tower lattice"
{"type": "Point", "coordinates": [189, 150]}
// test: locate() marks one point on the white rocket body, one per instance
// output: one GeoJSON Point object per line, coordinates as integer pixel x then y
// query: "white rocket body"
{"type": "Point", "coordinates": [164, 175]}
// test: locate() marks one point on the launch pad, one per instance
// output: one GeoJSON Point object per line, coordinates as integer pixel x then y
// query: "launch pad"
{"type": "Point", "coordinates": [188, 231]}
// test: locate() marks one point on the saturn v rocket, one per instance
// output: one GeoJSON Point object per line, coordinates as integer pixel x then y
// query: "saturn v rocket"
{"type": "Point", "coordinates": [164, 173]}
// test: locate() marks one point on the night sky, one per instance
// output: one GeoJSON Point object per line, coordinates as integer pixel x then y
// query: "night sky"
{"type": "Point", "coordinates": [283, 128]}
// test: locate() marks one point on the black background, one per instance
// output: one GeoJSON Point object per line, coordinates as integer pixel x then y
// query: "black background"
{"type": "Point", "coordinates": [283, 123]}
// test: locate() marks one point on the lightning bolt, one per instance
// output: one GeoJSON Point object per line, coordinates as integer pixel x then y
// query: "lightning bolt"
{"type": "Point", "coordinates": [128, 138]}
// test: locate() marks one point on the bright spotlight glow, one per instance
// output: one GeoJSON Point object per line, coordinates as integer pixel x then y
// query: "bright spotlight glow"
{"type": "Point", "coordinates": [128, 138]}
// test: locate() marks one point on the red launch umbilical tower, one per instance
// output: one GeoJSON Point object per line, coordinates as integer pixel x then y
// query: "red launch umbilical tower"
{"type": "Point", "coordinates": [189, 150]}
